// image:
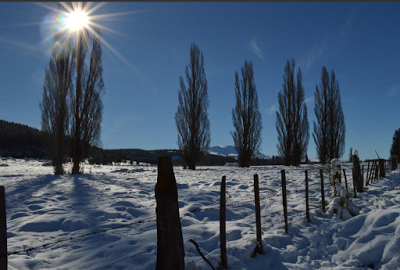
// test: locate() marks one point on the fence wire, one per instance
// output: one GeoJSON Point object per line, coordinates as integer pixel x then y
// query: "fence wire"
{"type": "Point", "coordinates": [153, 218]}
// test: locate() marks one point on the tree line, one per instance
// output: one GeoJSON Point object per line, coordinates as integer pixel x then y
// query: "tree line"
{"type": "Point", "coordinates": [292, 124]}
{"type": "Point", "coordinates": [72, 108]}
{"type": "Point", "coordinates": [20, 141]}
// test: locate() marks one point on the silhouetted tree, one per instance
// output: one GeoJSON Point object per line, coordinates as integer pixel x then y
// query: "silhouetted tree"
{"type": "Point", "coordinates": [246, 116]}
{"type": "Point", "coordinates": [291, 120]}
{"type": "Point", "coordinates": [54, 106]}
{"type": "Point", "coordinates": [192, 118]}
{"type": "Point", "coordinates": [329, 130]}
{"type": "Point", "coordinates": [86, 104]}
{"type": "Point", "coordinates": [395, 147]}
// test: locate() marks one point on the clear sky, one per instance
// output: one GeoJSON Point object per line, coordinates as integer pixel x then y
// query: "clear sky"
{"type": "Point", "coordinates": [148, 49]}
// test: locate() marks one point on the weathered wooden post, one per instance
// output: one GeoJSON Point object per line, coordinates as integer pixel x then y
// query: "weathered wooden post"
{"type": "Point", "coordinates": [322, 190]}
{"type": "Point", "coordinates": [307, 205]}
{"type": "Point", "coordinates": [284, 200]}
{"type": "Point", "coordinates": [335, 166]}
{"type": "Point", "coordinates": [222, 224]}
{"type": "Point", "coordinates": [345, 179]}
{"type": "Point", "coordinates": [366, 179]}
{"type": "Point", "coordinates": [376, 170]}
{"type": "Point", "coordinates": [3, 229]}
{"type": "Point", "coordinates": [362, 175]}
{"type": "Point", "coordinates": [170, 250]}
{"type": "Point", "coordinates": [259, 247]}
{"type": "Point", "coordinates": [381, 168]}
{"type": "Point", "coordinates": [357, 172]}
{"type": "Point", "coordinates": [354, 184]}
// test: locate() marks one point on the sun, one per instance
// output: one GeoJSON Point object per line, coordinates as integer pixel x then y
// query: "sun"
{"type": "Point", "coordinates": [76, 20]}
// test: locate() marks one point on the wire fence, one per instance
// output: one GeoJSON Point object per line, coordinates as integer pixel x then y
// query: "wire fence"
{"type": "Point", "coordinates": [297, 214]}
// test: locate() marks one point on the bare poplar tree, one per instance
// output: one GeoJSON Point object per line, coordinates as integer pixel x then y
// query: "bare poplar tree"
{"type": "Point", "coordinates": [291, 120]}
{"type": "Point", "coordinates": [192, 118]}
{"type": "Point", "coordinates": [321, 127]}
{"type": "Point", "coordinates": [86, 104]}
{"type": "Point", "coordinates": [246, 116]}
{"type": "Point", "coordinates": [329, 130]}
{"type": "Point", "coordinates": [337, 130]}
{"type": "Point", "coordinates": [54, 106]}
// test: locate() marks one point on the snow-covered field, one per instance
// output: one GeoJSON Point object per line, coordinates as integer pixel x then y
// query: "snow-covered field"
{"type": "Point", "coordinates": [43, 208]}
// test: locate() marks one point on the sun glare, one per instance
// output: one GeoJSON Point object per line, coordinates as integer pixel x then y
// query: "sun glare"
{"type": "Point", "coordinates": [76, 20]}
{"type": "Point", "coordinates": [71, 18]}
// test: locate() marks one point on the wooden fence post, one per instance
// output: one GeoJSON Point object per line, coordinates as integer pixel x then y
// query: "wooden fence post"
{"type": "Point", "coordinates": [381, 168]}
{"type": "Point", "coordinates": [345, 179]}
{"type": "Point", "coordinates": [369, 174]}
{"type": "Point", "coordinates": [307, 205]}
{"type": "Point", "coordinates": [3, 230]}
{"type": "Point", "coordinates": [322, 190]}
{"type": "Point", "coordinates": [376, 170]}
{"type": "Point", "coordinates": [366, 179]}
{"type": "Point", "coordinates": [354, 184]}
{"type": "Point", "coordinates": [222, 224]}
{"type": "Point", "coordinates": [357, 181]}
{"type": "Point", "coordinates": [170, 250]}
{"type": "Point", "coordinates": [284, 200]}
{"type": "Point", "coordinates": [362, 176]}
{"type": "Point", "coordinates": [259, 247]}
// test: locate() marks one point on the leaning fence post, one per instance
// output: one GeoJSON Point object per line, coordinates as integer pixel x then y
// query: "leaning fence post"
{"type": "Point", "coordinates": [259, 247]}
{"type": "Point", "coordinates": [222, 224]}
{"type": "Point", "coordinates": [307, 205]}
{"type": "Point", "coordinates": [284, 200]}
{"type": "Point", "coordinates": [322, 190]}
{"type": "Point", "coordinates": [170, 250]}
{"type": "Point", "coordinates": [3, 230]}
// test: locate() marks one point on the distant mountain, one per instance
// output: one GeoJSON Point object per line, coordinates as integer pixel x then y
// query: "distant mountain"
{"type": "Point", "coordinates": [230, 151]}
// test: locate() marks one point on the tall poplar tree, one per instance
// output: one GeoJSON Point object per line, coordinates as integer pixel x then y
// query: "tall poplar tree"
{"type": "Point", "coordinates": [246, 116]}
{"type": "Point", "coordinates": [192, 118]}
{"type": "Point", "coordinates": [54, 106]}
{"type": "Point", "coordinates": [86, 104]}
{"type": "Point", "coordinates": [329, 129]}
{"type": "Point", "coordinates": [291, 119]}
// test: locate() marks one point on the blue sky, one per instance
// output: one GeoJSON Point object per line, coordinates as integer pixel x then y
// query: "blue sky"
{"type": "Point", "coordinates": [150, 46]}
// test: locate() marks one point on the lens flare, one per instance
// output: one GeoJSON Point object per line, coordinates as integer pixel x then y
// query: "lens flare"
{"type": "Point", "coordinates": [71, 20]}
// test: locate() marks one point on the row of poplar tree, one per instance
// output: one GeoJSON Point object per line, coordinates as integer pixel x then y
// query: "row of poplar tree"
{"type": "Point", "coordinates": [292, 123]}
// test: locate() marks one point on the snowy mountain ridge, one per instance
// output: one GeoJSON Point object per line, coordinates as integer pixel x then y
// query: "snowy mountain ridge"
{"type": "Point", "coordinates": [231, 152]}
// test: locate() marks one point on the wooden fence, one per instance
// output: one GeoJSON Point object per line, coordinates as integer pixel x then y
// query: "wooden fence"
{"type": "Point", "coordinates": [165, 175]}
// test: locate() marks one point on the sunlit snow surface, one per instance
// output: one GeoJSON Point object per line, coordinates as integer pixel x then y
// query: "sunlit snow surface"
{"type": "Point", "coordinates": [43, 208]}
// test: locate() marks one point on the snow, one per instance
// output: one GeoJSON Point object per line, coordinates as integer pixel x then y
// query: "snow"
{"type": "Point", "coordinates": [43, 208]}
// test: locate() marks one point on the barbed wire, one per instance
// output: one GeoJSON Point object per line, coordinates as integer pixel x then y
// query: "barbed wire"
{"type": "Point", "coordinates": [27, 250]}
